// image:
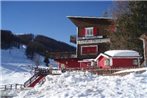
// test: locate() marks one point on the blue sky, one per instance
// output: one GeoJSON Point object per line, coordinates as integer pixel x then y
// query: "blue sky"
{"type": "Point", "coordinates": [48, 17]}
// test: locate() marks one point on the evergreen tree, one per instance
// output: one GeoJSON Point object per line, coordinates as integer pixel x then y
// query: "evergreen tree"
{"type": "Point", "coordinates": [131, 23]}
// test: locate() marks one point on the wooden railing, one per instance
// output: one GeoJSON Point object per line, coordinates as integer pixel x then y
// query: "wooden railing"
{"type": "Point", "coordinates": [32, 79]}
{"type": "Point", "coordinates": [40, 72]}
{"type": "Point", "coordinates": [99, 71]}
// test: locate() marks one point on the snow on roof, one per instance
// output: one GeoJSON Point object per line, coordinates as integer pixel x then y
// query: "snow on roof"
{"type": "Point", "coordinates": [86, 60]}
{"type": "Point", "coordinates": [122, 53]}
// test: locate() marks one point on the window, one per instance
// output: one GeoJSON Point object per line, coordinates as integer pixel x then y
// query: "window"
{"type": "Point", "coordinates": [89, 31]}
{"type": "Point", "coordinates": [107, 62]}
{"type": "Point", "coordinates": [135, 62]}
{"type": "Point", "coordinates": [89, 50]}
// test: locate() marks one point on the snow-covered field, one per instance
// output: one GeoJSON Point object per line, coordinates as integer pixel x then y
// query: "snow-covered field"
{"type": "Point", "coordinates": [14, 69]}
{"type": "Point", "coordinates": [86, 85]}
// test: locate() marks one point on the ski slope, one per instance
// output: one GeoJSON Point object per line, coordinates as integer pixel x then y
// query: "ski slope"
{"type": "Point", "coordinates": [15, 67]}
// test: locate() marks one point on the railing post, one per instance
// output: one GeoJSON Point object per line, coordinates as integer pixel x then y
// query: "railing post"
{"type": "Point", "coordinates": [5, 87]}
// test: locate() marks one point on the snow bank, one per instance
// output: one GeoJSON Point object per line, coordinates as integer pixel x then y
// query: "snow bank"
{"type": "Point", "coordinates": [87, 85]}
{"type": "Point", "coordinates": [122, 53]}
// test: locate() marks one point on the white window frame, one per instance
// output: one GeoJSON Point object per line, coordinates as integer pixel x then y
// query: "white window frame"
{"type": "Point", "coordinates": [89, 31]}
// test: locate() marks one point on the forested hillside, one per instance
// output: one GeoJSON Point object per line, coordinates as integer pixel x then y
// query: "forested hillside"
{"type": "Point", "coordinates": [34, 43]}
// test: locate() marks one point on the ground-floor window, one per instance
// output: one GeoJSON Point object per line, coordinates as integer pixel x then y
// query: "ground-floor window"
{"type": "Point", "coordinates": [107, 62]}
{"type": "Point", "coordinates": [91, 49]}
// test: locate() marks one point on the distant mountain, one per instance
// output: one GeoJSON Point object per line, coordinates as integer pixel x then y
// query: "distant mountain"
{"type": "Point", "coordinates": [35, 44]}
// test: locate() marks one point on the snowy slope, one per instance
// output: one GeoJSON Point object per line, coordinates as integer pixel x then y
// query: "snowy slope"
{"type": "Point", "coordinates": [86, 85]}
{"type": "Point", "coordinates": [15, 67]}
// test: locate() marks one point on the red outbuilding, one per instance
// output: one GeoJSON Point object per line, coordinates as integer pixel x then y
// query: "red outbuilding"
{"type": "Point", "coordinates": [118, 59]}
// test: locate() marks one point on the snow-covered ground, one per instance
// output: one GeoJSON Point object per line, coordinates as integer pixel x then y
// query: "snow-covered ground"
{"type": "Point", "coordinates": [16, 68]}
{"type": "Point", "coordinates": [87, 85]}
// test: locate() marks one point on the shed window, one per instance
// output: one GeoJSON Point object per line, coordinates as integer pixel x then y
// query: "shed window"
{"type": "Point", "coordinates": [107, 62]}
{"type": "Point", "coordinates": [135, 62]}
{"type": "Point", "coordinates": [89, 31]}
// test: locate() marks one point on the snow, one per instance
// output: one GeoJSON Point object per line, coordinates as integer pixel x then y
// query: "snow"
{"type": "Point", "coordinates": [87, 85]}
{"type": "Point", "coordinates": [16, 68]}
{"type": "Point", "coordinates": [125, 53]}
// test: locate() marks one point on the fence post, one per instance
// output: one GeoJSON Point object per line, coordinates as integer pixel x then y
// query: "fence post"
{"type": "Point", "coordinates": [5, 87]}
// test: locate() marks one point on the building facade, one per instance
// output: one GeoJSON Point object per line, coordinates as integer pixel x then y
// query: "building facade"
{"type": "Point", "coordinates": [92, 35]}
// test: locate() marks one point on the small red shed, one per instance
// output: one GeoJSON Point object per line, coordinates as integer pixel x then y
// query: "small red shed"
{"type": "Point", "coordinates": [118, 59]}
{"type": "Point", "coordinates": [85, 63]}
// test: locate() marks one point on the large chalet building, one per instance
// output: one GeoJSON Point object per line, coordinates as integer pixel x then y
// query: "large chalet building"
{"type": "Point", "coordinates": [92, 35]}
{"type": "Point", "coordinates": [91, 39]}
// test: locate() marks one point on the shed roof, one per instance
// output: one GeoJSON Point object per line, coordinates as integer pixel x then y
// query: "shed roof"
{"type": "Point", "coordinates": [120, 53]}
{"type": "Point", "coordinates": [86, 60]}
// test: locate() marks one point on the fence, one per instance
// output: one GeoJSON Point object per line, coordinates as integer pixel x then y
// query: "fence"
{"type": "Point", "coordinates": [99, 71]}
{"type": "Point", "coordinates": [11, 86]}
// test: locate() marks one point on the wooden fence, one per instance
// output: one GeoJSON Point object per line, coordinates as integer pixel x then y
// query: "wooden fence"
{"type": "Point", "coordinates": [99, 71]}
{"type": "Point", "coordinates": [12, 87]}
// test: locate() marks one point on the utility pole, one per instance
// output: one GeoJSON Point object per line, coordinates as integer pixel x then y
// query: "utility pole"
{"type": "Point", "coordinates": [144, 39]}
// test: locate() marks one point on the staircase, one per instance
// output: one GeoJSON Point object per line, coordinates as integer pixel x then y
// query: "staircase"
{"type": "Point", "coordinates": [39, 75]}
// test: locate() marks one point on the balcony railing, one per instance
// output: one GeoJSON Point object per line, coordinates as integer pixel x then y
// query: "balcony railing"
{"type": "Point", "coordinates": [94, 41]}
{"type": "Point", "coordinates": [90, 37]}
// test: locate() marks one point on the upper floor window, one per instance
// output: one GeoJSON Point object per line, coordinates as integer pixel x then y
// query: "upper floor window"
{"type": "Point", "coordinates": [89, 31]}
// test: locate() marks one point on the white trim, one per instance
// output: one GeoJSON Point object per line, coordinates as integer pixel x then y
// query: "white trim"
{"type": "Point", "coordinates": [89, 17]}
{"type": "Point", "coordinates": [92, 37]}
{"type": "Point", "coordinates": [101, 54]}
{"type": "Point", "coordinates": [77, 29]}
{"type": "Point", "coordinates": [81, 48]}
{"type": "Point", "coordinates": [111, 62]}
{"type": "Point", "coordinates": [94, 41]}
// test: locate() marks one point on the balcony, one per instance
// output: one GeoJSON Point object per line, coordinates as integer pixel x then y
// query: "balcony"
{"type": "Point", "coordinates": [90, 37]}
{"type": "Point", "coordinates": [94, 41]}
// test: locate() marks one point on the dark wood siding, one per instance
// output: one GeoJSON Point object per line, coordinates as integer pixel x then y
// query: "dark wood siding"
{"type": "Point", "coordinates": [81, 32]}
